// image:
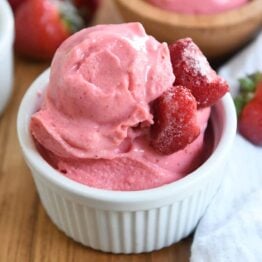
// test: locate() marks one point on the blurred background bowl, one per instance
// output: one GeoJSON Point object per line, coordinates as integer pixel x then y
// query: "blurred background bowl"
{"type": "Point", "coordinates": [6, 53]}
{"type": "Point", "coordinates": [217, 35]}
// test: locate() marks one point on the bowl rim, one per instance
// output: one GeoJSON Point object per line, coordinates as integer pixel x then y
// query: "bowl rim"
{"type": "Point", "coordinates": [7, 33]}
{"type": "Point", "coordinates": [35, 160]}
{"type": "Point", "coordinates": [235, 16]}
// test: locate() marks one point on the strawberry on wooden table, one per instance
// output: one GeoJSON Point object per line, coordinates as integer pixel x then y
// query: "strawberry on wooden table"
{"type": "Point", "coordinates": [193, 71]}
{"type": "Point", "coordinates": [175, 120]}
{"type": "Point", "coordinates": [42, 25]}
{"type": "Point", "coordinates": [249, 108]}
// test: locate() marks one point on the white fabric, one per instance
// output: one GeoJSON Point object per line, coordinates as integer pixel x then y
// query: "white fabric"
{"type": "Point", "coordinates": [231, 229]}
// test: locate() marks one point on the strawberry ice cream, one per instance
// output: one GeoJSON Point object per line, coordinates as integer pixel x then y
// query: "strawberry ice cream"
{"type": "Point", "coordinates": [102, 81]}
{"type": "Point", "coordinates": [198, 6]}
{"type": "Point", "coordinates": [95, 120]}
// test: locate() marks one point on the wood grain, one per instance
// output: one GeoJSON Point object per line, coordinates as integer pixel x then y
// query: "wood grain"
{"type": "Point", "coordinates": [26, 232]}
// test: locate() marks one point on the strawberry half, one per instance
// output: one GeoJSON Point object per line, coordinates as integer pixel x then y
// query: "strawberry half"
{"type": "Point", "coordinates": [42, 25]}
{"type": "Point", "coordinates": [175, 122]}
{"type": "Point", "coordinates": [249, 108]}
{"type": "Point", "coordinates": [193, 71]}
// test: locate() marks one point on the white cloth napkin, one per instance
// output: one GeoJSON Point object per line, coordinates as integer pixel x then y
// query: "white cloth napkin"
{"type": "Point", "coordinates": [231, 229]}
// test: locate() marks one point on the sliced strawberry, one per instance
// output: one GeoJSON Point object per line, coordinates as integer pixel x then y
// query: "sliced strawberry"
{"type": "Point", "coordinates": [175, 123]}
{"type": "Point", "coordinates": [250, 121]}
{"type": "Point", "coordinates": [192, 70]}
{"type": "Point", "coordinates": [42, 25]}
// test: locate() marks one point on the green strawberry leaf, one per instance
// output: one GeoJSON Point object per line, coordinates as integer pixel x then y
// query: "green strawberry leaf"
{"type": "Point", "coordinates": [70, 17]}
{"type": "Point", "coordinates": [247, 84]}
{"type": "Point", "coordinates": [247, 90]}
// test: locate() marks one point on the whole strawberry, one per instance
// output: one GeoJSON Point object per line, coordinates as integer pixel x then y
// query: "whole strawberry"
{"type": "Point", "coordinates": [42, 25]}
{"type": "Point", "coordinates": [249, 108]}
{"type": "Point", "coordinates": [175, 122]}
{"type": "Point", "coordinates": [250, 122]}
{"type": "Point", "coordinates": [193, 71]}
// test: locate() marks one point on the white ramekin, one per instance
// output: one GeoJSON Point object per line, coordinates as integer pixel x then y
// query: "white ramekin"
{"type": "Point", "coordinates": [126, 222]}
{"type": "Point", "coordinates": [6, 53]}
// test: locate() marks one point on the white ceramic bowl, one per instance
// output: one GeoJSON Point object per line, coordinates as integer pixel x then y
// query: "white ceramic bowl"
{"type": "Point", "coordinates": [6, 53]}
{"type": "Point", "coordinates": [126, 222]}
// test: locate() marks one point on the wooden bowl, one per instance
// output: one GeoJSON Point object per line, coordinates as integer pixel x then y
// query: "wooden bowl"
{"type": "Point", "coordinates": [216, 35]}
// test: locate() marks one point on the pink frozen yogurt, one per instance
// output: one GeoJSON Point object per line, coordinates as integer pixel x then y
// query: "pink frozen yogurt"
{"type": "Point", "coordinates": [94, 121]}
{"type": "Point", "coordinates": [198, 6]}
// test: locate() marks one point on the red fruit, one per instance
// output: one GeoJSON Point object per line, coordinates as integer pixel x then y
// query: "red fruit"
{"type": "Point", "coordinates": [192, 70]}
{"type": "Point", "coordinates": [175, 123]}
{"type": "Point", "coordinates": [41, 26]}
{"type": "Point", "coordinates": [15, 3]}
{"type": "Point", "coordinates": [250, 121]}
{"type": "Point", "coordinates": [250, 87]}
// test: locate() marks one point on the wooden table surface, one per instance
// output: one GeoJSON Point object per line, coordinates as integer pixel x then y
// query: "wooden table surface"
{"type": "Point", "coordinates": [26, 232]}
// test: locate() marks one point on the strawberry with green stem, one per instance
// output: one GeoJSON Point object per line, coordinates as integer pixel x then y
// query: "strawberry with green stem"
{"type": "Point", "coordinates": [42, 25]}
{"type": "Point", "coordinates": [248, 88]}
{"type": "Point", "coordinates": [249, 108]}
